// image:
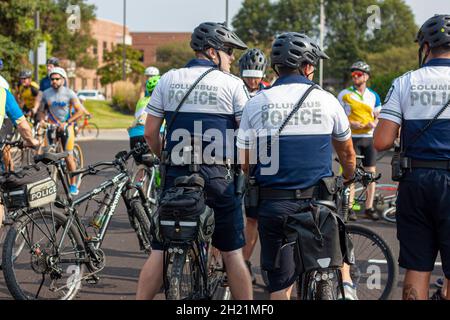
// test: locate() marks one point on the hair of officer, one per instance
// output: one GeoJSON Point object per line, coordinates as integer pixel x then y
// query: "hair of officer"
{"type": "Point", "coordinates": [441, 50]}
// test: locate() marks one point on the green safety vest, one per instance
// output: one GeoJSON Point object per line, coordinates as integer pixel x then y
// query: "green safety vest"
{"type": "Point", "coordinates": [2, 105]}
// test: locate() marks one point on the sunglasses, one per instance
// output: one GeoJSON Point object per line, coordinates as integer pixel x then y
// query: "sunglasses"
{"type": "Point", "coordinates": [55, 79]}
{"type": "Point", "coordinates": [357, 74]}
{"type": "Point", "coordinates": [228, 51]}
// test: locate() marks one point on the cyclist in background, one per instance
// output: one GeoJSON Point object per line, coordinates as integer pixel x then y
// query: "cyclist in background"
{"type": "Point", "coordinates": [362, 106]}
{"type": "Point", "coordinates": [151, 72]}
{"type": "Point", "coordinates": [137, 128]}
{"type": "Point", "coordinates": [27, 92]}
{"type": "Point", "coordinates": [252, 68]}
{"type": "Point", "coordinates": [56, 104]}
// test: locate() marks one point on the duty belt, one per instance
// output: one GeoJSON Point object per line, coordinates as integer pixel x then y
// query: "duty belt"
{"type": "Point", "coordinates": [300, 194]}
{"type": "Point", "coordinates": [431, 164]}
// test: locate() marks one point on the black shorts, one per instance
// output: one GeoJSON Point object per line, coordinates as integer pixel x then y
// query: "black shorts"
{"type": "Point", "coordinates": [271, 216]}
{"type": "Point", "coordinates": [423, 220]}
{"type": "Point", "coordinates": [364, 147]}
{"type": "Point", "coordinates": [221, 197]}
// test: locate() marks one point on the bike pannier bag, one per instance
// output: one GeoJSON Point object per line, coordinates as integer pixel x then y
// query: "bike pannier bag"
{"type": "Point", "coordinates": [30, 187]}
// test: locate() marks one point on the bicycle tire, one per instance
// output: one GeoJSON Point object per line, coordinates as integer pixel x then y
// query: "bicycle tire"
{"type": "Point", "coordinates": [367, 260]}
{"type": "Point", "coordinates": [385, 196]}
{"type": "Point", "coordinates": [143, 175]}
{"type": "Point", "coordinates": [217, 282]}
{"type": "Point", "coordinates": [27, 268]}
{"type": "Point", "coordinates": [79, 162]}
{"type": "Point", "coordinates": [91, 130]}
{"type": "Point", "coordinates": [176, 277]}
{"type": "Point", "coordinates": [390, 215]}
{"type": "Point", "coordinates": [142, 223]}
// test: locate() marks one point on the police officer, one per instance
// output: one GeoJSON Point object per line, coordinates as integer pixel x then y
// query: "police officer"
{"type": "Point", "coordinates": [305, 149]}
{"type": "Point", "coordinates": [216, 104]}
{"type": "Point", "coordinates": [252, 68]}
{"type": "Point", "coordinates": [423, 215]}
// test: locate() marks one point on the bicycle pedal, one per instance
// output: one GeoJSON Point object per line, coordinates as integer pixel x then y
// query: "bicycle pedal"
{"type": "Point", "coordinates": [93, 279]}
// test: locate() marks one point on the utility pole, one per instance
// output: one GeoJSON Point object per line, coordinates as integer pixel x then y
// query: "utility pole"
{"type": "Point", "coordinates": [322, 35]}
{"type": "Point", "coordinates": [36, 58]}
{"type": "Point", "coordinates": [124, 53]}
{"type": "Point", "coordinates": [227, 13]}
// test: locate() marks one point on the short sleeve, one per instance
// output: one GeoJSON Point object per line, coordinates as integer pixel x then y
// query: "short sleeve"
{"type": "Point", "coordinates": [391, 109]}
{"type": "Point", "coordinates": [341, 126]}
{"type": "Point", "coordinates": [246, 138]}
{"type": "Point", "coordinates": [155, 107]}
{"type": "Point", "coordinates": [13, 110]}
{"type": "Point", "coordinates": [344, 105]}
{"type": "Point", "coordinates": [240, 98]}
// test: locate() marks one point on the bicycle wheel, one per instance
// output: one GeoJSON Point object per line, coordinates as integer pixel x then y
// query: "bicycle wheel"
{"type": "Point", "coordinates": [146, 177]}
{"type": "Point", "coordinates": [390, 215]}
{"type": "Point", "coordinates": [321, 284]}
{"type": "Point", "coordinates": [39, 261]}
{"type": "Point", "coordinates": [375, 271]}
{"type": "Point", "coordinates": [385, 196]}
{"type": "Point", "coordinates": [141, 224]}
{"type": "Point", "coordinates": [180, 275]}
{"type": "Point", "coordinates": [217, 283]}
{"type": "Point", "coordinates": [90, 130]}
{"type": "Point", "coordinates": [79, 161]}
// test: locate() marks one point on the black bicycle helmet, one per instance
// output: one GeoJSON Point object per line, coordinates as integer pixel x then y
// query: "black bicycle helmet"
{"type": "Point", "coordinates": [253, 63]}
{"type": "Point", "coordinates": [435, 31]}
{"type": "Point", "coordinates": [54, 61]}
{"type": "Point", "coordinates": [25, 74]}
{"type": "Point", "coordinates": [293, 49]}
{"type": "Point", "coordinates": [360, 66]}
{"type": "Point", "coordinates": [215, 35]}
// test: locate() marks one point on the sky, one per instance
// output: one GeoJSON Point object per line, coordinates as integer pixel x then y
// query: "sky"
{"type": "Point", "coordinates": [185, 15]}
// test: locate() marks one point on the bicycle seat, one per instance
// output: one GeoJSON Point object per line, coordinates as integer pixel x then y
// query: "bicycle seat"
{"type": "Point", "coordinates": [49, 158]}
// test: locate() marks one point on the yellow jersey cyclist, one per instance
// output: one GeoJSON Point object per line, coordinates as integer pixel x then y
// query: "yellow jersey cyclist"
{"type": "Point", "coordinates": [362, 106]}
{"type": "Point", "coordinates": [27, 92]}
{"type": "Point", "coordinates": [57, 103]}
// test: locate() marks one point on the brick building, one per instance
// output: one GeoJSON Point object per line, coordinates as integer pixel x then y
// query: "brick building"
{"type": "Point", "coordinates": [107, 34]}
{"type": "Point", "coordinates": [148, 42]}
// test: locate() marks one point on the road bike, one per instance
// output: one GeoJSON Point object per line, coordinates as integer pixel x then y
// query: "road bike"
{"type": "Point", "coordinates": [62, 246]}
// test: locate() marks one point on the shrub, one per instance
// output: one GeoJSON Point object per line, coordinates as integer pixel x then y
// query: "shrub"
{"type": "Point", "coordinates": [125, 96]}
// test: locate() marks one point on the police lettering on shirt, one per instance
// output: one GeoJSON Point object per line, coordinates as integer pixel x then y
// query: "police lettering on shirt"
{"type": "Point", "coordinates": [211, 111]}
{"type": "Point", "coordinates": [303, 152]}
{"type": "Point", "coordinates": [414, 99]}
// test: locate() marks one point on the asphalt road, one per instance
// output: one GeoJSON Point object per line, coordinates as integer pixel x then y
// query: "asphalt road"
{"type": "Point", "coordinates": [118, 281]}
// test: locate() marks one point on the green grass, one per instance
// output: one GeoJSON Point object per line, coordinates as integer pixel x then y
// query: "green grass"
{"type": "Point", "coordinates": [106, 117]}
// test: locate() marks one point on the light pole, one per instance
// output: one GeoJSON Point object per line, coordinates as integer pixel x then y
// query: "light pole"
{"type": "Point", "coordinates": [322, 34]}
{"type": "Point", "coordinates": [226, 13]}
{"type": "Point", "coordinates": [124, 52]}
{"type": "Point", "coordinates": [36, 58]}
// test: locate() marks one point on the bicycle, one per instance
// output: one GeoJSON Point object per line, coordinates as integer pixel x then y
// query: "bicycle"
{"type": "Point", "coordinates": [374, 271]}
{"type": "Point", "coordinates": [87, 129]}
{"type": "Point", "coordinates": [60, 249]}
{"type": "Point", "coordinates": [192, 268]}
{"type": "Point", "coordinates": [384, 201]}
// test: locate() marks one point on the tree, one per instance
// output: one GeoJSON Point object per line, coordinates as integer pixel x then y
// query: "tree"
{"type": "Point", "coordinates": [252, 22]}
{"type": "Point", "coordinates": [112, 70]}
{"type": "Point", "coordinates": [173, 55]}
{"type": "Point", "coordinates": [73, 46]}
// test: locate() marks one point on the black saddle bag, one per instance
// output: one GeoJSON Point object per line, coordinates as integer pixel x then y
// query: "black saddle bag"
{"type": "Point", "coordinates": [320, 239]}
{"type": "Point", "coordinates": [30, 187]}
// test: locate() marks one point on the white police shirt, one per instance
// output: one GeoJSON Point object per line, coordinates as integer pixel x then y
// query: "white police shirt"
{"type": "Point", "coordinates": [211, 110]}
{"type": "Point", "coordinates": [305, 144]}
{"type": "Point", "coordinates": [413, 100]}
